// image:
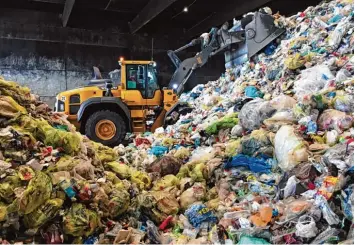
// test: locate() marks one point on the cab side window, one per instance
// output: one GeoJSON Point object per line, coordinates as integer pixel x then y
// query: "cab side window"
{"type": "Point", "coordinates": [152, 82]}
{"type": "Point", "coordinates": [131, 72]}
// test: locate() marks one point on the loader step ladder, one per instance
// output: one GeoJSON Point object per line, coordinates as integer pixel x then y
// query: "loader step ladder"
{"type": "Point", "coordinates": [138, 120]}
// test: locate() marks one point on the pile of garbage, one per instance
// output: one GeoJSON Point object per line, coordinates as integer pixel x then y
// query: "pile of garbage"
{"type": "Point", "coordinates": [265, 156]}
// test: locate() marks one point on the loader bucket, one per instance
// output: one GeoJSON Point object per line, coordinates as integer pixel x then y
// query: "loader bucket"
{"type": "Point", "coordinates": [260, 32]}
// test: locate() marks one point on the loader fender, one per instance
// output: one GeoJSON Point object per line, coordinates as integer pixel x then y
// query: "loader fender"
{"type": "Point", "coordinates": [108, 103]}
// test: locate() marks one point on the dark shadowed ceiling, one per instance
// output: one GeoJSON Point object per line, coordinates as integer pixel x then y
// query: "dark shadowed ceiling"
{"type": "Point", "coordinates": [151, 17]}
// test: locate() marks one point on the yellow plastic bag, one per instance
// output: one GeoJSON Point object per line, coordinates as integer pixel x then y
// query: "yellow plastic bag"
{"type": "Point", "coordinates": [104, 153]}
{"type": "Point", "coordinates": [140, 178]}
{"type": "Point", "coordinates": [296, 61]}
{"type": "Point", "coordinates": [166, 181]}
{"type": "Point", "coordinates": [123, 171]}
{"type": "Point", "coordinates": [42, 214]}
{"type": "Point", "coordinates": [3, 212]}
{"type": "Point", "coordinates": [167, 203]}
{"type": "Point", "coordinates": [37, 192]}
{"type": "Point", "coordinates": [65, 163]}
{"type": "Point", "coordinates": [233, 147]}
{"type": "Point", "coordinates": [7, 188]}
{"type": "Point", "coordinates": [182, 153]}
{"type": "Point", "coordinates": [195, 169]}
{"type": "Point", "coordinates": [9, 107]}
{"type": "Point", "coordinates": [80, 221]}
{"type": "Point", "coordinates": [119, 203]}
{"type": "Point", "coordinates": [70, 142]}
{"type": "Point", "coordinates": [213, 203]}
{"type": "Point", "coordinates": [20, 93]}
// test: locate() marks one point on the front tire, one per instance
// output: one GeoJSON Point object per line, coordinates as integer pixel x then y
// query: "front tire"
{"type": "Point", "coordinates": [106, 127]}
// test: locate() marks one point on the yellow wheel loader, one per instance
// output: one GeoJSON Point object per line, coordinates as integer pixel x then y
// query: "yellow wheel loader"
{"type": "Point", "coordinates": [132, 101]}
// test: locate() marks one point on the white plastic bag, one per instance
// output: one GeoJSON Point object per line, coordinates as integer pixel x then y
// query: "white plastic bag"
{"type": "Point", "coordinates": [283, 102]}
{"type": "Point", "coordinates": [327, 212]}
{"type": "Point", "coordinates": [342, 75]}
{"type": "Point", "coordinates": [290, 188]}
{"type": "Point", "coordinates": [312, 80]}
{"type": "Point", "coordinates": [281, 117]}
{"type": "Point", "coordinates": [331, 137]}
{"type": "Point", "coordinates": [334, 119]}
{"type": "Point", "coordinates": [253, 113]}
{"type": "Point", "coordinates": [237, 130]}
{"type": "Point", "coordinates": [202, 154]}
{"type": "Point", "coordinates": [290, 149]}
{"type": "Point", "coordinates": [338, 33]}
{"type": "Point", "coordinates": [306, 227]}
{"type": "Point", "coordinates": [159, 130]}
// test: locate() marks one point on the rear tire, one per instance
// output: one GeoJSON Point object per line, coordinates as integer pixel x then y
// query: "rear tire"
{"type": "Point", "coordinates": [106, 127]}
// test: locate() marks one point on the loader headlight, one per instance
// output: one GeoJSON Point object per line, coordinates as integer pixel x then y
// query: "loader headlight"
{"type": "Point", "coordinates": [175, 86]}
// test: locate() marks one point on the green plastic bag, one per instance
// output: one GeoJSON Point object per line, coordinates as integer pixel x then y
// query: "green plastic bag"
{"type": "Point", "coordinates": [80, 221]}
{"type": "Point", "coordinates": [42, 214]}
{"type": "Point", "coordinates": [228, 121]}
{"type": "Point", "coordinates": [37, 192]}
{"type": "Point", "coordinates": [244, 239]}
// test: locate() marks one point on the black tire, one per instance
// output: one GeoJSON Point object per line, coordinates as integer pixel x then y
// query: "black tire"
{"type": "Point", "coordinates": [106, 115]}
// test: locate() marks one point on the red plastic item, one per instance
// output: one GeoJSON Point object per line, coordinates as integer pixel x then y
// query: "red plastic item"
{"type": "Point", "coordinates": [47, 151]}
{"type": "Point", "coordinates": [311, 186]}
{"type": "Point", "coordinates": [165, 223]}
{"type": "Point", "coordinates": [140, 141]}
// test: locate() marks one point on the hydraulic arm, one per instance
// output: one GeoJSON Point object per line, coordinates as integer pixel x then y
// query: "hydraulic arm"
{"type": "Point", "coordinates": [258, 32]}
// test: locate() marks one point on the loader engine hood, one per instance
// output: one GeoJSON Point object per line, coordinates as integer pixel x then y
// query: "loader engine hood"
{"type": "Point", "coordinates": [76, 97]}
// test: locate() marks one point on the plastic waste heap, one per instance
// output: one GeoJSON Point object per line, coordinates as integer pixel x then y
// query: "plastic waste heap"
{"type": "Point", "coordinates": [266, 156]}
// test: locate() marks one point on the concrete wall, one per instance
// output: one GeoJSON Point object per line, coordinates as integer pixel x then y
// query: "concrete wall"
{"type": "Point", "coordinates": [37, 52]}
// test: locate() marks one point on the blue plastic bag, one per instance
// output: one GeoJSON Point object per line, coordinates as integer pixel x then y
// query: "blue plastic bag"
{"type": "Point", "coordinates": [198, 214]}
{"type": "Point", "coordinates": [253, 92]}
{"type": "Point", "coordinates": [256, 165]}
{"type": "Point", "coordinates": [311, 127]}
{"type": "Point", "coordinates": [158, 150]}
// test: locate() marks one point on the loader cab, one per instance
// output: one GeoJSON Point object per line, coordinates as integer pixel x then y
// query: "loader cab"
{"type": "Point", "coordinates": [141, 77]}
